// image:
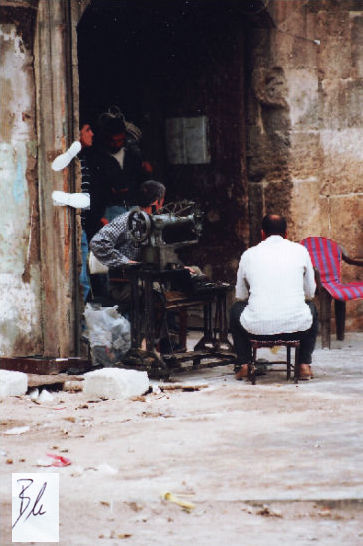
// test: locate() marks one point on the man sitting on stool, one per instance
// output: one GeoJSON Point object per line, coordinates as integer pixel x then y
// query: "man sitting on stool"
{"type": "Point", "coordinates": [274, 279]}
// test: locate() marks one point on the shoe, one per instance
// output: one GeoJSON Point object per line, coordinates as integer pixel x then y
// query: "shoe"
{"type": "Point", "coordinates": [242, 372]}
{"type": "Point", "coordinates": [305, 372]}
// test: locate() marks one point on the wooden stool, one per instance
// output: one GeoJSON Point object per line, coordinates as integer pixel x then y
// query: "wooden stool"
{"type": "Point", "coordinates": [259, 344]}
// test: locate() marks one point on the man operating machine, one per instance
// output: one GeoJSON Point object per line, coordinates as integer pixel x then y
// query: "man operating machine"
{"type": "Point", "coordinates": [136, 248]}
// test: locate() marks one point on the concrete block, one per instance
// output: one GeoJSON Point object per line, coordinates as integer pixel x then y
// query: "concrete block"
{"type": "Point", "coordinates": [116, 383]}
{"type": "Point", "coordinates": [12, 383]}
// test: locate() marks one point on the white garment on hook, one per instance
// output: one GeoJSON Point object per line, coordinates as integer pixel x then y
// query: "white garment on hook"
{"type": "Point", "coordinates": [63, 160]}
{"type": "Point", "coordinates": [75, 200]}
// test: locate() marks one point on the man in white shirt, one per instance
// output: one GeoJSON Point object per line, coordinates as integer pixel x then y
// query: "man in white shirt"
{"type": "Point", "coordinates": [274, 280]}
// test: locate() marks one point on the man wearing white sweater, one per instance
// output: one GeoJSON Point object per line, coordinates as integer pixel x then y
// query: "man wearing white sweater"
{"type": "Point", "coordinates": [275, 282]}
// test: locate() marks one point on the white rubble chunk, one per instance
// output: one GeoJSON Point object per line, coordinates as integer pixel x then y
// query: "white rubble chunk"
{"type": "Point", "coordinates": [12, 383]}
{"type": "Point", "coordinates": [45, 396]}
{"type": "Point", "coordinates": [34, 394]}
{"type": "Point", "coordinates": [116, 383]}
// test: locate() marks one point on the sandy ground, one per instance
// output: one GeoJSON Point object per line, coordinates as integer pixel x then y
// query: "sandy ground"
{"type": "Point", "coordinates": [275, 463]}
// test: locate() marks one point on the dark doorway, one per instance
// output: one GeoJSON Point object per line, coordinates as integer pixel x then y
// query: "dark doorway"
{"type": "Point", "coordinates": [176, 69]}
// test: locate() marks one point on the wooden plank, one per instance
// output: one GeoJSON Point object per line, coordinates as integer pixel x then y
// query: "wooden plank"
{"type": "Point", "coordinates": [37, 380]}
{"type": "Point", "coordinates": [43, 366]}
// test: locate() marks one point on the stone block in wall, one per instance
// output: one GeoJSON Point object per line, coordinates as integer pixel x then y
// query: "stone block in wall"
{"type": "Point", "coordinates": [347, 224]}
{"type": "Point", "coordinates": [342, 161]}
{"type": "Point", "coordinates": [357, 43]}
{"type": "Point", "coordinates": [354, 101]}
{"type": "Point", "coordinates": [341, 103]}
{"type": "Point", "coordinates": [303, 98]}
{"type": "Point", "coordinates": [335, 56]}
{"type": "Point", "coordinates": [255, 201]}
{"type": "Point", "coordinates": [277, 197]}
{"type": "Point", "coordinates": [309, 211]}
{"type": "Point", "coordinates": [305, 157]}
{"type": "Point", "coordinates": [354, 316]}
{"type": "Point", "coordinates": [268, 145]}
{"type": "Point", "coordinates": [292, 40]}
{"type": "Point", "coordinates": [269, 85]}
{"type": "Point", "coordinates": [258, 152]}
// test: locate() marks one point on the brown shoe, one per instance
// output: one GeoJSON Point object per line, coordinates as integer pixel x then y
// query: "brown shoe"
{"type": "Point", "coordinates": [305, 372]}
{"type": "Point", "coordinates": [242, 372]}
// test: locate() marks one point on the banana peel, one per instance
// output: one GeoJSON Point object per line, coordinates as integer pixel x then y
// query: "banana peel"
{"type": "Point", "coordinates": [187, 506]}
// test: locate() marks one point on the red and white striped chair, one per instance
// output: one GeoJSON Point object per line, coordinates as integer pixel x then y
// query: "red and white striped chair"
{"type": "Point", "coordinates": [326, 256]}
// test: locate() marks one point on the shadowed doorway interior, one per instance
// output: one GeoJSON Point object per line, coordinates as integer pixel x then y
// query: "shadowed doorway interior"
{"type": "Point", "coordinates": [176, 69]}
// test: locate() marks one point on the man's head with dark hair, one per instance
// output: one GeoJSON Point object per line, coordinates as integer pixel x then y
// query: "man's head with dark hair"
{"type": "Point", "coordinates": [273, 224]}
{"type": "Point", "coordinates": [151, 192]}
{"type": "Point", "coordinates": [112, 130]}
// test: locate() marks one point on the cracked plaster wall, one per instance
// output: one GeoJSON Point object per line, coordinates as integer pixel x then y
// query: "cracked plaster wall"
{"type": "Point", "coordinates": [20, 325]}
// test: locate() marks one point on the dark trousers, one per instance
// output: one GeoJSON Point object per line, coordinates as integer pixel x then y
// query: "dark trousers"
{"type": "Point", "coordinates": [241, 338]}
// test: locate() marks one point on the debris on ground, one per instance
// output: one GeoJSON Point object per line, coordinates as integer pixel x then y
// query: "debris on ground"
{"type": "Point", "coordinates": [187, 506]}
{"type": "Point", "coordinates": [106, 469]}
{"type": "Point", "coordinates": [114, 534]}
{"type": "Point", "coordinates": [180, 386]}
{"type": "Point", "coordinates": [59, 460]}
{"type": "Point", "coordinates": [17, 430]}
{"type": "Point", "coordinates": [268, 512]}
{"type": "Point", "coordinates": [73, 386]}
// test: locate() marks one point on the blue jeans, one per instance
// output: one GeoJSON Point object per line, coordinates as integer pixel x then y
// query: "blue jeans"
{"type": "Point", "coordinates": [83, 278]}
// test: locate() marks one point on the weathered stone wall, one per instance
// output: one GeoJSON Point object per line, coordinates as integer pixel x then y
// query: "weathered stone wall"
{"type": "Point", "coordinates": [20, 324]}
{"type": "Point", "coordinates": [305, 124]}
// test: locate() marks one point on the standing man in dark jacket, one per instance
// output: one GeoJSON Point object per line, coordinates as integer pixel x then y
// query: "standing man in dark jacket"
{"type": "Point", "coordinates": [117, 171]}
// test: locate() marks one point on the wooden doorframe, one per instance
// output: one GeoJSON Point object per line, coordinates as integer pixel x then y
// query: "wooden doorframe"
{"type": "Point", "coordinates": [56, 77]}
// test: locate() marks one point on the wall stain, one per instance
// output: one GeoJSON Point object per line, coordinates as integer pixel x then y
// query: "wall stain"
{"type": "Point", "coordinates": [18, 186]}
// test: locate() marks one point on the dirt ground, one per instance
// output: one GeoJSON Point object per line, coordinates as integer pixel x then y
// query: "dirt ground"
{"type": "Point", "coordinates": [275, 463]}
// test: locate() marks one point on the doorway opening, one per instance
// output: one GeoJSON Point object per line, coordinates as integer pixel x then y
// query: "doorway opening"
{"type": "Point", "coordinates": [176, 70]}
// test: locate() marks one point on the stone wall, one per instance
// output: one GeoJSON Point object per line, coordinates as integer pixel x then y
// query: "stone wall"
{"type": "Point", "coordinates": [305, 157]}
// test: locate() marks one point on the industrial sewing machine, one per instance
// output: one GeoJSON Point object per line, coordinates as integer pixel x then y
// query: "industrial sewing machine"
{"type": "Point", "coordinates": [160, 235]}
{"type": "Point", "coordinates": [160, 271]}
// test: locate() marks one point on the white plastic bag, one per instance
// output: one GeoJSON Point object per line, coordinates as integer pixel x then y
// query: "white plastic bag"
{"type": "Point", "coordinates": [95, 266]}
{"type": "Point", "coordinates": [109, 334]}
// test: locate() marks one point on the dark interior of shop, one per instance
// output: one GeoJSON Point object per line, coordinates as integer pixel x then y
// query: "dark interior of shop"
{"type": "Point", "coordinates": [176, 70]}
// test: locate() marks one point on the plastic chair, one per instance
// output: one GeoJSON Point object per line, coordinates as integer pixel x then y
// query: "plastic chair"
{"type": "Point", "coordinates": [326, 256]}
